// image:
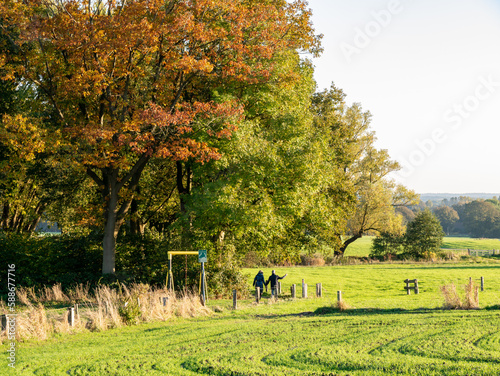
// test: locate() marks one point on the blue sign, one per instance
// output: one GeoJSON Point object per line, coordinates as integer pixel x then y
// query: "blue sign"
{"type": "Point", "coordinates": [202, 255]}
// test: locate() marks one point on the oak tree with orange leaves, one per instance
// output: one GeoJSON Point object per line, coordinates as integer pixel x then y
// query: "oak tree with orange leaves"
{"type": "Point", "coordinates": [130, 80]}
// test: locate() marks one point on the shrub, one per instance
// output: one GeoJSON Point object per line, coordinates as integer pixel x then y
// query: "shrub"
{"type": "Point", "coordinates": [387, 244]}
{"type": "Point", "coordinates": [223, 279]}
{"type": "Point", "coordinates": [312, 260]}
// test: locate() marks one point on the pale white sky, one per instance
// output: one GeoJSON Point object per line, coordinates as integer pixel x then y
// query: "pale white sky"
{"type": "Point", "coordinates": [429, 72]}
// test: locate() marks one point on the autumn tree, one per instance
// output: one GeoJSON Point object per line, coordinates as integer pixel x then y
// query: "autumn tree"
{"type": "Point", "coordinates": [128, 81]}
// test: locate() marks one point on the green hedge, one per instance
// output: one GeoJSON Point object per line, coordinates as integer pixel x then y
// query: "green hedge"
{"type": "Point", "coordinates": [70, 260]}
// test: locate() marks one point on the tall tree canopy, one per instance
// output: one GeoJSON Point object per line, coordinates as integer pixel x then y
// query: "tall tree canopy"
{"type": "Point", "coordinates": [128, 81]}
{"type": "Point", "coordinates": [369, 196]}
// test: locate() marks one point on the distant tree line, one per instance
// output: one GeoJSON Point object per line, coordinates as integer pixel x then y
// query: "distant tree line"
{"type": "Point", "coordinates": [464, 215]}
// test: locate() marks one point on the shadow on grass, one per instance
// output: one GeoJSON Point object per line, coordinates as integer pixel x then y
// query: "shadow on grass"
{"type": "Point", "coordinates": [329, 310]}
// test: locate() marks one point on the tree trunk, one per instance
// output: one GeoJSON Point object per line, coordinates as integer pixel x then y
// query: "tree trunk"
{"type": "Point", "coordinates": [345, 244]}
{"type": "Point", "coordinates": [115, 212]}
{"type": "Point", "coordinates": [111, 226]}
{"type": "Point", "coordinates": [5, 215]}
{"type": "Point", "coordinates": [183, 190]}
{"type": "Point", "coordinates": [136, 224]}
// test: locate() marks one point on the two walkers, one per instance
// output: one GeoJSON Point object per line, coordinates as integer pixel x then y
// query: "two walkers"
{"type": "Point", "coordinates": [259, 281]}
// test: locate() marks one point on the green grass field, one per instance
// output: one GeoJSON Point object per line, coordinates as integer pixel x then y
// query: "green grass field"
{"type": "Point", "coordinates": [361, 247]}
{"type": "Point", "coordinates": [386, 332]}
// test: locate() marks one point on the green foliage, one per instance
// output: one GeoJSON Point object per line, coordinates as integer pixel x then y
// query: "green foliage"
{"type": "Point", "coordinates": [222, 280]}
{"type": "Point", "coordinates": [387, 244]}
{"type": "Point", "coordinates": [70, 260]}
{"type": "Point", "coordinates": [129, 311]}
{"type": "Point", "coordinates": [447, 217]}
{"type": "Point", "coordinates": [52, 259]}
{"type": "Point", "coordinates": [480, 218]}
{"type": "Point", "coordinates": [424, 235]}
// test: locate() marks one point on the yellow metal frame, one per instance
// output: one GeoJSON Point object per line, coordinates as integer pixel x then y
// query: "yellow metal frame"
{"type": "Point", "coordinates": [170, 278]}
{"type": "Point", "coordinates": [174, 253]}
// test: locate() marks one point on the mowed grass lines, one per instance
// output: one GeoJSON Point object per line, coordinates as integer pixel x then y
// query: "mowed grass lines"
{"type": "Point", "coordinates": [387, 333]}
{"type": "Point", "coordinates": [350, 343]}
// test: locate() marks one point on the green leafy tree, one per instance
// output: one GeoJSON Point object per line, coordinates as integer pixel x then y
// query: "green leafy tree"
{"type": "Point", "coordinates": [447, 217]}
{"type": "Point", "coordinates": [424, 235]}
{"type": "Point", "coordinates": [387, 243]}
{"type": "Point", "coordinates": [364, 195]}
{"type": "Point", "coordinates": [480, 218]}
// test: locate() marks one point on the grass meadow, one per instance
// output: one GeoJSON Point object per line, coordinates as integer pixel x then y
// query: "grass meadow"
{"type": "Point", "coordinates": [383, 331]}
{"type": "Point", "coordinates": [361, 247]}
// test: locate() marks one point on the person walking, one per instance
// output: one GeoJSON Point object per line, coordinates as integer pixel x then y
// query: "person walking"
{"type": "Point", "coordinates": [273, 280]}
{"type": "Point", "coordinates": [260, 281]}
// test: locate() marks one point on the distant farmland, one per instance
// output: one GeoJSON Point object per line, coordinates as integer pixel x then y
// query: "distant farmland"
{"type": "Point", "coordinates": [361, 247]}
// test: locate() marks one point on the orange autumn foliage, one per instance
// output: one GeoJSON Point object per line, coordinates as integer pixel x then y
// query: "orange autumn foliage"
{"type": "Point", "coordinates": [106, 66]}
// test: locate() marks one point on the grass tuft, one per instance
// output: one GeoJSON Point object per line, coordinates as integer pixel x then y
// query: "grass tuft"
{"type": "Point", "coordinates": [452, 299]}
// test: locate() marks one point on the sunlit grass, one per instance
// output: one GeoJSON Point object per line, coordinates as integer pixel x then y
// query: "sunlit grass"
{"type": "Point", "coordinates": [384, 332]}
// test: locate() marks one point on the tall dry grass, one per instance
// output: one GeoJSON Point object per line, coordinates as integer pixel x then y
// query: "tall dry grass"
{"type": "Point", "coordinates": [452, 299]}
{"type": "Point", "coordinates": [100, 310]}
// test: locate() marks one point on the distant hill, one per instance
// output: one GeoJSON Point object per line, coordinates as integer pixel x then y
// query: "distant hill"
{"type": "Point", "coordinates": [441, 196]}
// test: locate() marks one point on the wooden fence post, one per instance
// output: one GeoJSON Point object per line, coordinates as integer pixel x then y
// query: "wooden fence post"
{"type": "Point", "coordinates": [71, 316]}
{"type": "Point", "coordinates": [235, 305]}
{"type": "Point", "coordinates": [292, 291]}
{"type": "Point", "coordinates": [319, 292]}
{"type": "Point", "coordinates": [304, 290]}
{"type": "Point", "coordinates": [4, 322]}
{"type": "Point", "coordinates": [257, 294]}
{"type": "Point", "coordinates": [416, 286]}
{"type": "Point", "coordinates": [407, 281]}
{"type": "Point", "coordinates": [482, 283]}
{"type": "Point", "coordinates": [278, 291]}
{"type": "Point", "coordinates": [339, 296]}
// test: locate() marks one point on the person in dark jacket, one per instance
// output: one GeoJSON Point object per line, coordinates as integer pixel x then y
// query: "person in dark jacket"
{"type": "Point", "coordinates": [260, 281]}
{"type": "Point", "coordinates": [273, 280]}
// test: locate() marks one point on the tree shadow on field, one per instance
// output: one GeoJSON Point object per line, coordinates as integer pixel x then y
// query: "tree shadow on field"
{"type": "Point", "coordinates": [329, 310]}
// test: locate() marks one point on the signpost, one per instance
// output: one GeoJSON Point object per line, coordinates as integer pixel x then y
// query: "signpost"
{"type": "Point", "coordinates": [202, 258]}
